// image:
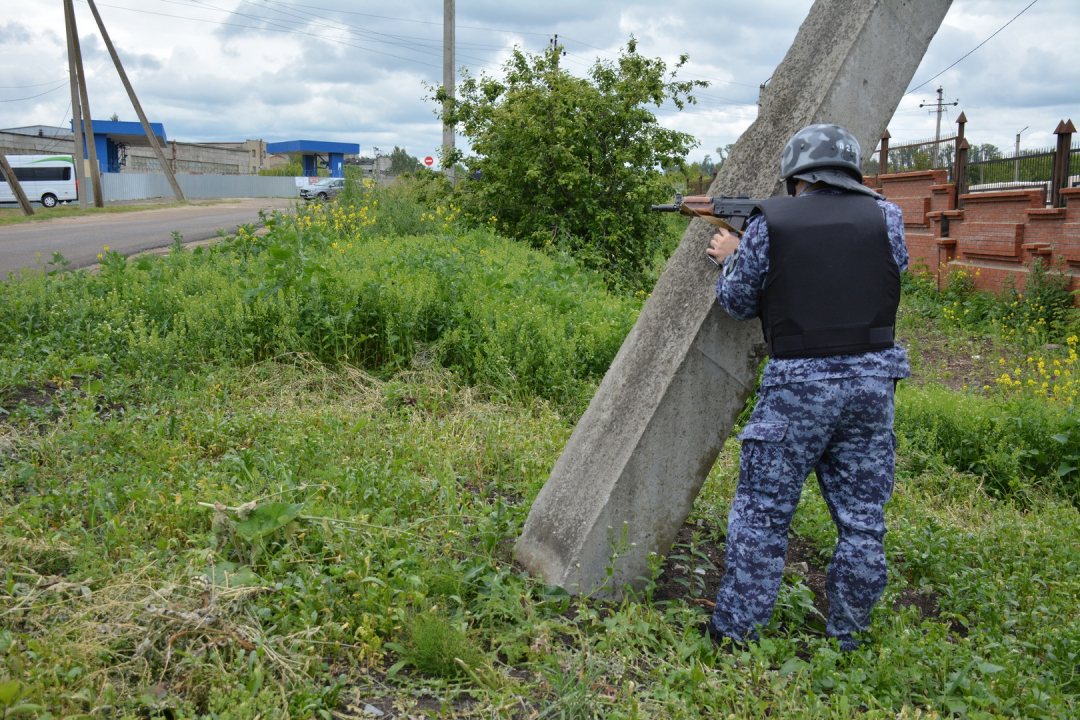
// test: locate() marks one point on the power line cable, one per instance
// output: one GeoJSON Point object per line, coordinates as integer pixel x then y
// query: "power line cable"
{"type": "Point", "coordinates": [364, 32]}
{"type": "Point", "coordinates": [423, 22]}
{"type": "Point", "coordinates": [973, 49]}
{"type": "Point", "coordinates": [434, 42]}
{"type": "Point", "coordinates": [249, 27]}
{"type": "Point", "coordinates": [684, 72]}
{"type": "Point", "coordinates": [31, 97]}
{"type": "Point", "coordinates": [292, 29]}
{"type": "Point", "coordinates": [23, 87]}
{"type": "Point", "coordinates": [59, 128]}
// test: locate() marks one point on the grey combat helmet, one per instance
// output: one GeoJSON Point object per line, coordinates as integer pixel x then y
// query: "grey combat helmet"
{"type": "Point", "coordinates": [824, 153]}
{"type": "Point", "coordinates": [821, 145]}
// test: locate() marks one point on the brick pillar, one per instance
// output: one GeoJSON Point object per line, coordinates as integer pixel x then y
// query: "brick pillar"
{"type": "Point", "coordinates": [960, 178]}
{"type": "Point", "coordinates": [958, 164]}
{"type": "Point", "coordinates": [1060, 175]}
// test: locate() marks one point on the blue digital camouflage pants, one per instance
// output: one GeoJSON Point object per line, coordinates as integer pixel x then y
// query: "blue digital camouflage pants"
{"type": "Point", "coordinates": [842, 429]}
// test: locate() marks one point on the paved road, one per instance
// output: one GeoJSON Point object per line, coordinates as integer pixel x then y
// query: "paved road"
{"type": "Point", "coordinates": [80, 239]}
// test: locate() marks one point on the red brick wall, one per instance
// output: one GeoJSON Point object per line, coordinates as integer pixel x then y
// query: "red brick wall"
{"type": "Point", "coordinates": [994, 236]}
{"type": "Point", "coordinates": [914, 193]}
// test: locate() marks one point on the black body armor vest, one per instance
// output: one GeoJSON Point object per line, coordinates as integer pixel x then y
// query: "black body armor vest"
{"type": "Point", "coordinates": [833, 286]}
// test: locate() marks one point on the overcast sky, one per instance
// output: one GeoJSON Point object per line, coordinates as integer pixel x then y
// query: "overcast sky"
{"type": "Point", "coordinates": [355, 70]}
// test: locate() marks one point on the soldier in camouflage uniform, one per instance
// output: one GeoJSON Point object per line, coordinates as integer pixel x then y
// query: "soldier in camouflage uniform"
{"type": "Point", "coordinates": [826, 397]}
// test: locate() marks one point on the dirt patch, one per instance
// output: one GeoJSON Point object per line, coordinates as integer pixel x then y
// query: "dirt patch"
{"type": "Point", "coordinates": [374, 697]}
{"type": "Point", "coordinates": [956, 358]}
{"type": "Point", "coordinates": [697, 581]}
{"type": "Point", "coordinates": [41, 402]}
{"type": "Point", "coordinates": [44, 400]}
{"type": "Point", "coordinates": [804, 562]}
{"type": "Point", "coordinates": [33, 397]}
{"type": "Point", "coordinates": [926, 604]}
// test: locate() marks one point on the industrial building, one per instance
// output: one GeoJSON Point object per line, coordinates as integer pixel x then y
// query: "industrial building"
{"type": "Point", "coordinates": [122, 147]}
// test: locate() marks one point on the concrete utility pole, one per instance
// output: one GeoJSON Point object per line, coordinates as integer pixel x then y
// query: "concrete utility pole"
{"type": "Point", "coordinates": [16, 188]}
{"type": "Point", "coordinates": [634, 464]}
{"type": "Point", "coordinates": [78, 155]}
{"type": "Point", "coordinates": [940, 105]}
{"type": "Point", "coordinates": [84, 97]}
{"type": "Point", "coordinates": [559, 52]}
{"type": "Point", "coordinates": [1016, 156]}
{"type": "Point", "coordinates": [448, 81]}
{"type": "Point", "coordinates": [154, 144]}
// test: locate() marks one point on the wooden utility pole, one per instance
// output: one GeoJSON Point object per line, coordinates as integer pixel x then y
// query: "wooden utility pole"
{"type": "Point", "coordinates": [84, 98]}
{"type": "Point", "coordinates": [13, 181]}
{"type": "Point", "coordinates": [448, 83]}
{"type": "Point", "coordinates": [165, 167]}
{"type": "Point", "coordinates": [79, 153]}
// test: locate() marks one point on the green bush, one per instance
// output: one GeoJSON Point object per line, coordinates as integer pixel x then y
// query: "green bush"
{"type": "Point", "coordinates": [436, 646]}
{"type": "Point", "coordinates": [1015, 446]}
{"type": "Point", "coordinates": [571, 163]}
{"type": "Point", "coordinates": [1043, 312]}
{"type": "Point", "coordinates": [501, 314]}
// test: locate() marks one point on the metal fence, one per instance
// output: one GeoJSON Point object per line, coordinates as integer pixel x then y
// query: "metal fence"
{"type": "Point", "coordinates": [923, 155]}
{"type": "Point", "coordinates": [143, 186]}
{"type": "Point", "coordinates": [1028, 169]}
{"type": "Point", "coordinates": [1032, 166]}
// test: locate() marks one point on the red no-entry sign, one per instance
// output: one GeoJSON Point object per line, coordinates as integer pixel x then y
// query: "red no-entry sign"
{"type": "Point", "coordinates": [429, 161]}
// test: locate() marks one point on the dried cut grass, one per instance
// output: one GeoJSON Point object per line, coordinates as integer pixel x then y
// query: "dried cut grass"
{"type": "Point", "coordinates": [131, 632]}
{"type": "Point", "coordinates": [38, 557]}
{"type": "Point", "coordinates": [298, 379]}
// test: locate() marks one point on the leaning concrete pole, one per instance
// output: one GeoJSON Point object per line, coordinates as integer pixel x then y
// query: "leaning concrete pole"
{"type": "Point", "coordinates": [634, 464]}
{"type": "Point", "coordinates": [8, 174]}
{"type": "Point", "coordinates": [78, 155]}
{"type": "Point", "coordinates": [155, 146]}
{"type": "Point", "coordinates": [84, 100]}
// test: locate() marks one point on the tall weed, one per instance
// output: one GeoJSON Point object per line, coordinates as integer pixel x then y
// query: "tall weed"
{"type": "Point", "coordinates": [1017, 446]}
{"type": "Point", "coordinates": [323, 283]}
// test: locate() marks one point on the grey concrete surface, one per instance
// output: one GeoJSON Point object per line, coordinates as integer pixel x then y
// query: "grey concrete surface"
{"type": "Point", "coordinates": [80, 239]}
{"type": "Point", "coordinates": [634, 464]}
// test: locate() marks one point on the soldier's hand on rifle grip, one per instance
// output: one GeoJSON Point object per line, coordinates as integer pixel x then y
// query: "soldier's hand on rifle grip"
{"type": "Point", "coordinates": [723, 243]}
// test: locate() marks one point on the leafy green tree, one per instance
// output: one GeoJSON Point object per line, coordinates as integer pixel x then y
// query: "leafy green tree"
{"type": "Point", "coordinates": [402, 162]}
{"type": "Point", "coordinates": [572, 163]}
{"type": "Point", "coordinates": [707, 164]}
{"type": "Point", "coordinates": [986, 151]}
{"type": "Point", "coordinates": [722, 153]}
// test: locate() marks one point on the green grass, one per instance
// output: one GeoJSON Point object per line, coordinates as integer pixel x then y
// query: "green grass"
{"type": "Point", "coordinates": [215, 504]}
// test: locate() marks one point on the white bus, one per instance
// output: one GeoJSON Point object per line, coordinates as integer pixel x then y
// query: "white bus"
{"type": "Point", "coordinates": [48, 179]}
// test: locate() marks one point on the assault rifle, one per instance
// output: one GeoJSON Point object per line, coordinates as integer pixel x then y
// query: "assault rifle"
{"type": "Point", "coordinates": [730, 213]}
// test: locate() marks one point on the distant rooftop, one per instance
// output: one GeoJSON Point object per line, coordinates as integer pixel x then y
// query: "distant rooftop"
{"type": "Point", "coordinates": [300, 147]}
{"type": "Point", "coordinates": [40, 131]}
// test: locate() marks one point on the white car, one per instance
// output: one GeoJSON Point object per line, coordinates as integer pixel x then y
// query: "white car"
{"type": "Point", "coordinates": [324, 189]}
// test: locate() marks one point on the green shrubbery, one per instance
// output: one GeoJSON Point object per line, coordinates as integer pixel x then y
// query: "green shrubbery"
{"type": "Point", "coordinates": [1043, 312]}
{"type": "Point", "coordinates": [325, 285]}
{"type": "Point", "coordinates": [572, 163]}
{"type": "Point", "coordinates": [1017, 447]}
